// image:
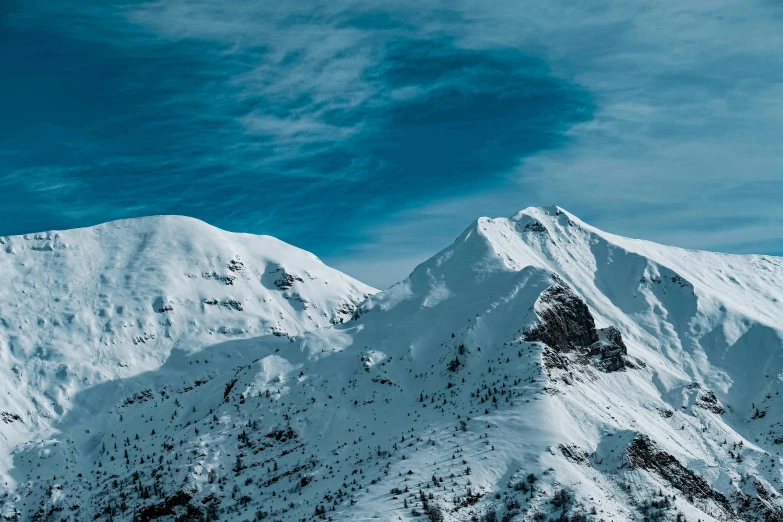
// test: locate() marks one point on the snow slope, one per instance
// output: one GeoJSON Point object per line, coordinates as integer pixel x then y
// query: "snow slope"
{"type": "Point", "coordinates": [537, 368]}
{"type": "Point", "coordinates": [85, 306]}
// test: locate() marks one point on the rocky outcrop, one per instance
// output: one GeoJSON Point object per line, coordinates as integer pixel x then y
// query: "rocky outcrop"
{"type": "Point", "coordinates": [574, 453]}
{"type": "Point", "coordinates": [567, 326]}
{"type": "Point", "coordinates": [642, 453]}
{"type": "Point", "coordinates": [565, 322]}
{"type": "Point", "coordinates": [610, 350]}
{"type": "Point", "coordinates": [286, 280]}
{"type": "Point", "coordinates": [535, 226]}
{"type": "Point", "coordinates": [708, 401]}
{"type": "Point", "coordinates": [9, 417]}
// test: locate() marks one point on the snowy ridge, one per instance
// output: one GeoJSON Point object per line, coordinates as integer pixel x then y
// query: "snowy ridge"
{"type": "Point", "coordinates": [537, 368]}
{"type": "Point", "coordinates": [106, 303]}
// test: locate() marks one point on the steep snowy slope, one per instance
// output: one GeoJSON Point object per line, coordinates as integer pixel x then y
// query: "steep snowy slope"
{"type": "Point", "coordinates": [86, 306]}
{"type": "Point", "coordinates": [537, 368]}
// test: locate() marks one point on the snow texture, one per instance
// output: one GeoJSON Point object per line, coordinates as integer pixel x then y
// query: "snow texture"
{"type": "Point", "coordinates": [537, 368]}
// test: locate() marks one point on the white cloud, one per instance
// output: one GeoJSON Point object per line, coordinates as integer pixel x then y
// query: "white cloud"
{"type": "Point", "coordinates": [689, 100]}
{"type": "Point", "coordinates": [684, 147]}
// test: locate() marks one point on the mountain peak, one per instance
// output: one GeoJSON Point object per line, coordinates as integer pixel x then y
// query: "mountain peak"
{"type": "Point", "coordinates": [536, 368]}
{"type": "Point", "coordinates": [141, 223]}
{"type": "Point", "coordinates": [114, 299]}
{"type": "Point", "coordinates": [548, 213]}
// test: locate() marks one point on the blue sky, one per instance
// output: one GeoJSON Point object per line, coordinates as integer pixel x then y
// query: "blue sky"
{"type": "Point", "coordinates": [372, 133]}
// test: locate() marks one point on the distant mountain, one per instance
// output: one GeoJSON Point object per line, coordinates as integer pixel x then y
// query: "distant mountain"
{"type": "Point", "coordinates": [538, 368]}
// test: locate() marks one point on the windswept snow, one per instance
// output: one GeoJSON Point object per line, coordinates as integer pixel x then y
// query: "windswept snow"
{"type": "Point", "coordinates": [160, 369]}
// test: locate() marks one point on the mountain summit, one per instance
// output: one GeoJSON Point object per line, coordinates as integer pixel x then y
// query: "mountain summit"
{"type": "Point", "coordinates": [109, 302]}
{"type": "Point", "coordinates": [537, 368]}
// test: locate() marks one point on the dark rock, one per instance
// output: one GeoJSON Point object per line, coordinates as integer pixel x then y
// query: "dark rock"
{"type": "Point", "coordinates": [762, 507]}
{"type": "Point", "coordinates": [535, 226]}
{"type": "Point", "coordinates": [566, 326]}
{"type": "Point", "coordinates": [287, 280]}
{"type": "Point", "coordinates": [610, 350]}
{"type": "Point", "coordinates": [167, 508]}
{"type": "Point", "coordinates": [643, 453]}
{"type": "Point", "coordinates": [710, 402]}
{"type": "Point", "coordinates": [9, 417]}
{"type": "Point", "coordinates": [142, 396]}
{"type": "Point", "coordinates": [236, 266]}
{"type": "Point", "coordinates": [565, 321]}
{"type": "Point", "coordinates": [225, 279]}
{"type": "Point", "coordinates": [235, 305]}
{"type": "Point", "coordinates": [229, 386]}
{"type": "Point", "coordinates": [574, 453]}
{"type": "Point", "coordinates": [345, 311]}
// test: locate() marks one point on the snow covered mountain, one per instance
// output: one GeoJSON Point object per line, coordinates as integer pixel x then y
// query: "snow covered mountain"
{"type": "Point", "coordinates": [537, 368]}
{"type": "Point", "coordinates": [87, 306]}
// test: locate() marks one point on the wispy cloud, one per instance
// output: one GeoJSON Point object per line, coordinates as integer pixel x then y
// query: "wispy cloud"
{"type": "Point", "coordinates": [683, 147]}
{"type": "Point", "coordinates": [392, 125]}
{"type": "Point", "coordinates": [263, 117]}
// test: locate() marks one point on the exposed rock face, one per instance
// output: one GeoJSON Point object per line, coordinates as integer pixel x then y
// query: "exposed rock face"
{"type": "Point", "coordinates": [574, 453]}
{"type": "Point", "coordinates": [708, 401]}
{"type": "Point", "coordinates": [535, 226]}
{"type": "Point", "coordinates": [610, 349]}
{"type": "Point", "coordinates": [643, 453]}
{"type": "Point", "coordinates": [566, 325]}
{"type": "Point", "coordinates": [565, 321]}
{"type": "Point", "coordinates": [345, 311]}
{"type": "Point", "coordinates": [286, 280]}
